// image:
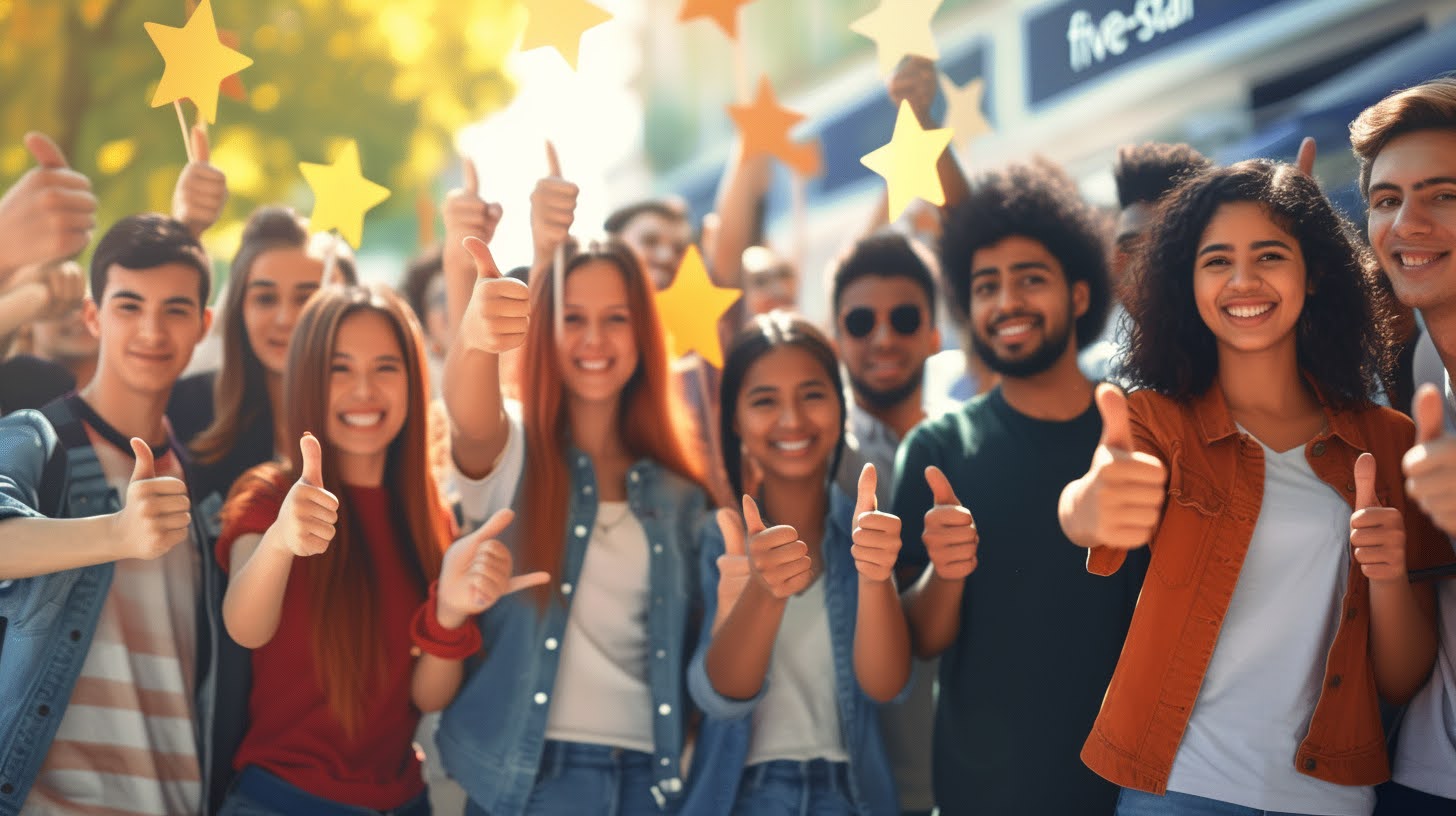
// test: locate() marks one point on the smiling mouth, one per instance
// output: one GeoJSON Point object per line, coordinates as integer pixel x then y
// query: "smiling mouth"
{"type": "Point", "coordinates": [594, 365]}
{"type": "Point", "coordinates": [1015, 330]}
{"type": "Point", "coordinates": [1248, 311]}
{"type": "Point", "coordinates": [1418, 260]}
{"type": "Point", "coordinates": [362, 420]}
{"type": "Point", "coordinates": [795, 446]}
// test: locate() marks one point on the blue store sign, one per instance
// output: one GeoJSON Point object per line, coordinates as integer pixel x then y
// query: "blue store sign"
{"type": "Point", "coordinates": [1072, 42]}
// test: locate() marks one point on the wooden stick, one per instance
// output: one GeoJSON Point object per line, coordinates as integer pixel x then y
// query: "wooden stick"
{"type": "Point", "coordinates": [186, 133]}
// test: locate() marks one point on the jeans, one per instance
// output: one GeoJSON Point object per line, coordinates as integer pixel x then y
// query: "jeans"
{"type": "Point", "coordinates": [1140, 803]}
{"type": "Point", "coordinates": [577, 779]}
{"type": "Point", "coordinates": [1395, 799]}
{"type": "Point", "coordinates": [783, 787]}
{"type": "Point", "coordinates": [260, 793]}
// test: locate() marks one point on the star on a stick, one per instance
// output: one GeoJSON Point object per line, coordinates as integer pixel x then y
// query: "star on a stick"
{"type": "Point", "coordinates": [900, 28]}
{"type": "Point", "coordinates": [908, 162]}
{"type": "Point", "coordinates": [722, 12]}
{"type": "Point", "coordinates": [690, 308]}
{"type": "Point", "coordinates": [341, 194]}
{"type": "Point", "coordinates": [560, 24]}
{"type": "Point", "coordinates": [963, 108]}
{"type": "Point", "coordinates": [764, 126]}
{"type": "Point", "coordinates": [197, 61]}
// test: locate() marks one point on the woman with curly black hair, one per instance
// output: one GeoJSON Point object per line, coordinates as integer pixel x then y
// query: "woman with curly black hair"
{"type": "Point", "coordinates": [1277, 611]}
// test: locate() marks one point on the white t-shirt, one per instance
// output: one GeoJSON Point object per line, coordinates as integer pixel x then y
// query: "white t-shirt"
{"type": "Point", "coordinates": [479, 498]}
{"type": "Point", "coordinates": [1264, 679]}
{"type": "Point", "coordinates": [798, 716]}
{"type": "Point", "coordinates": [601, 694]}
{"type": "Point", "coordinates": [1425, 753]}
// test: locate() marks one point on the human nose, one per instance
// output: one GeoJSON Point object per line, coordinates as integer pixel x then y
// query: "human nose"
{"type": "Point", "coordinates": [1410, 220]}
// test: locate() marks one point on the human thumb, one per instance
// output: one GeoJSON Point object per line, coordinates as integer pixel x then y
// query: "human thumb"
{"type": "Point", "coordinates": [312, 471]}
{"type": "Point", "coordinates": [44, 150]}
{"type": "Point", "coordinates": [145, 467]}
{"type": "Point", "coordinates": [1365, 482]}
{"type": "Point", "coordinates": [940, 489]}
{"type": "Point", "coordinates": [1116, 428]}
{"type": "Point", "coordinates": [866, 502]}
{"type": "Point", "coordinates": [472, 179]}
{"type": "Point", "coordinates": [751, 516]}
{"type": "Point", "coordinates": [553, 163]}
{"type": "Point", "coordinates": [730, 524]}
{"type": "Point", "coordinates": [201, 150]}
{"type": "Point", "coordinates": [1429, 414]}
{"type": "Point", "coordinates": [485, 267]}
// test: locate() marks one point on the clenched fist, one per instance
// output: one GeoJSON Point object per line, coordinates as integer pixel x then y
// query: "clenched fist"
{"type": "Point", "coordinates": [157, 513]}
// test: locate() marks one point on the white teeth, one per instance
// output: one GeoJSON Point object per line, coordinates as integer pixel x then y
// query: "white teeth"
{"type": "Point", "coordinates": [1414, 259]}
{"type": "Point", "coordinates": [802, 444]}
{"type": "Point", "coordinates": [1013, 329]}
{"type": "Point", "coordinates": [363, 420]}
{"type": "Point", "coordinates": [1249, 311]}
{"type": "Point", "coordinates": [593, 365]}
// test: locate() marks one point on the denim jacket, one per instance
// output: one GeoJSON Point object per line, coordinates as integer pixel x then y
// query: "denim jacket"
{"type": "Point", "coordinates": [723, 742]}
{"type": "Point", "coordinates": [50, 620]}
{"type": "Point", "coordinates": [492, 735]}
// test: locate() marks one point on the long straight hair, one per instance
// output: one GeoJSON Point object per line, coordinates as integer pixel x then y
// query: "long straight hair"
{"type": "Point", "coordinates": [343, 580]}
{"type": "Point", "coordinates": [651, 421]}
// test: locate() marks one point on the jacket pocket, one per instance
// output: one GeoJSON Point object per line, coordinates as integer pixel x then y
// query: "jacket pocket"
{"type": "Point", "coordinates": [1190, 517]}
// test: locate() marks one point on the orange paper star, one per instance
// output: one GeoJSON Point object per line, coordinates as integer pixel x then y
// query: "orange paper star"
{"type": "Point", "coordinates": [560, 24]}
{"type": "Point", "coordinates": [900, 28]}
{"type": "Point", "coordinates": [690, 309]}
{"type": "Point", "coordinates": [341, 194]}
{"type": "Point", "coordinates": [908, 162]}
{"type": "Point", "coordinates": [722, 12]}
{"type": "Point", "coordinates": [197, 61]}
{"type": "Point", "coordinates": [764, 126]}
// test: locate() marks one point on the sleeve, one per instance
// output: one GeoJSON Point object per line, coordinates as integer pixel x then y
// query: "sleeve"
{"type": "Point", "coordinates": [27, 442]}
{"type": "Point", "coordinates": [1108, 560]}
{"type": "Point", "coordinates": [479, 498]}
{"type": "Point", "coordinates": [708, 700]}
{"type": "Point", "coordinates": [250, 510]}
{"type": "Point", "coordinates": [912, 498]}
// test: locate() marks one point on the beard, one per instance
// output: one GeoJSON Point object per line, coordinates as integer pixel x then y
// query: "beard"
{"type": "Point", "coordinates": [1040, 359]}
{"type": "Point", "coordinates": [883, 398]}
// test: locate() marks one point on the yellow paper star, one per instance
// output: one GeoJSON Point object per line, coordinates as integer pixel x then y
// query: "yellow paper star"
{"type": "Point", "coordinates": [341, 194]}
{"type": "Point", "coordinates": [560, 24]}
{"type": "Point", "coordinates": [900, 28]}
{"type": "Point", "coordinates": [963, 108]}
{"type": "Point", "coordinates": [908, 162]}
{"type": "Point", "coordinates": [690, 308]}
{"type": "Point", "coordinates": [196, 60]}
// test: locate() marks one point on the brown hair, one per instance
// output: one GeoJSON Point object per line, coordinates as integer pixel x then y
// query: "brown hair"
{"type": "Point", "coordinates": [342, 581]}
{"type": "Point", "coordinates": [239, 391]}
{"type": "Point", "coordinates": [1428, 106]}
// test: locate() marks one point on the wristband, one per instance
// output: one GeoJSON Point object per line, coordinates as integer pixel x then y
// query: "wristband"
{"type": "Point", "coordinates": [434, 639]}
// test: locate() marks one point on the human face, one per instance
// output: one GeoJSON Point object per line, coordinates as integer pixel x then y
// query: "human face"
{"type": "Point", "coordinates": [1249, 281]}
{"type": "Point", "coordinates": [788, 417]}
{"type": "Point", "coordinates": [1413, 217]}
{"type": "Point", "coordinates": [279, 284]}
{"type": "Point", "coordinates": [65, 339]}
{"type": "Point", "coordinates": [1023, 313]}
{"type": "Point", "coordinates": [148, 323]}
{"type": "Point", "coordinates": [764, 293]}
{"type": "Point", "coordinates": [659, 244]}
{"type": "Point", "coordinates": [368, 396]}
{"type": "Point", "coordinates": [885, 366]}
{"type": "Point", "coordinates": [1132, 222]}
{"type": "Point", "coordinates": [597, 349]}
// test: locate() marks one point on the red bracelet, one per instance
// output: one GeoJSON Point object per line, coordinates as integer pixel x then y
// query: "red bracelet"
{"type": "Point", "coordinates": [434, 639]}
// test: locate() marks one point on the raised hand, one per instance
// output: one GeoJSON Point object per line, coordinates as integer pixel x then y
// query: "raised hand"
{"type": "Point", "coordinates": [48, 214]}
{"type": "Point", "coordinates": [950, 535]}
{"type": "Point", "coordinates": [157, 512]}
{"type": "Point", "coordinates": [66, 285]}
{"type": "Point", "coordinates": [305, 524]}
{"type": "Point", "coordinates": [914, 81]}
{"type": "Point", "coordinates": [1377, 533]}
{"type": "Point", "coordinates": [733, 566]}
{"type": "Point", "coordinates": [779, 562]}
{"type": "Point", "coordinates": [201, 190]}
{"type": "Point", "coordinates": [1120, 501]}
{"type": "Point", "coordinates": [499, 310]}
{"type": "Point", "coordinates": [553, 208]}
{"type": "Point", "coordinates": [876, 535]}
{"type": "Point", "coordinates": [467, 214]}
{"type": "Point", "coordinates": [1430, 465]}
{"type": "Point", "coordinates": [1305, 160]}
{"type": "Point", "coordinates": [476, 573]}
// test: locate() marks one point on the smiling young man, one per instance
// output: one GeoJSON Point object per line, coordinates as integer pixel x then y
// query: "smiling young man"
{"type": "Point", "coordinates": [112, 657]}
{"type": "Point", "coordinates": [1406, 144]}
{"type": "Point", "coordinates": [1027, 638]}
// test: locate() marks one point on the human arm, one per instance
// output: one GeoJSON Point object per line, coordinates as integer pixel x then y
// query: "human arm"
{"type": "Point", "coordinates": [914, 81]}
{"type": "Point", "coordinates": [201, 190]}
{"type": "Point", "coordinates": [881, 638]}
{"type": "Point", "coordinates": [1119, 502]}
{"type": "Point", "coordinates": [933, 604]}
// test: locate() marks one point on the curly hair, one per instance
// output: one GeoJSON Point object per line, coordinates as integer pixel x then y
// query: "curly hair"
{"type": "Point", "coordinates": [1037, 201]}
{"type": "Point", "coordinates": [1342, 336]}
{"type": "Point", "coordinates": [1145, 173]}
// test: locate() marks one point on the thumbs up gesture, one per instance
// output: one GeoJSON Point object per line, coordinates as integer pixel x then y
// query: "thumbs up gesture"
{"type": "Point", "coordinates": [476, 573]}
{"type": "Point", "coordinates": [733, 567]}
{"type": "Point", "coordinates": [1120, 500]}
{"type": "Point", "coordinates": [1377, 533]}
{"type": "Point", "coordinates": [1430, 465]}
{"type": "Point", "coordinates": [201, 190]}
{"type": "Point", "coordinates": [876, 535]}
{"type": "Point", "coordinates": [48, 214]}
{"type": "Point", "coordinates": [467, 214]}
{"type": "Point", "coordinates": [499, 310]}
{"type": "Point", "coordinates": [553, 208]}
{"type": "Point", "coordinates": [157, 512]}
{"type": "Point", "coordinates": [950, 534]}
{"type": "Point", "coordinates": [779, 562]}
{"type": "Point", "coordinates": [305, 524]}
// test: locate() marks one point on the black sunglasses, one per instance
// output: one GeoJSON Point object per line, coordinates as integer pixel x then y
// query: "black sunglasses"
{"type": "Point", "coordinates": [861, 320]}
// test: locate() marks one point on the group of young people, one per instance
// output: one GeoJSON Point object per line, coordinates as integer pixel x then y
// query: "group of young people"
{"type": "Point", "coordinates": [630, 585]}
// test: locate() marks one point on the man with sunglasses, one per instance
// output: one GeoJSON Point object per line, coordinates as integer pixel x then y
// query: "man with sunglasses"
{"type": "Point", "coordinates": [1028, 637]}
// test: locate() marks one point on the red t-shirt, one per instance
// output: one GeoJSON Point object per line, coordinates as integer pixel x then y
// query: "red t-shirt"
{"type": "Point", "coordinates": [293, 733]}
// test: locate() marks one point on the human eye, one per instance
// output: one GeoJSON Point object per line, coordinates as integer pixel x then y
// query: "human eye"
{"type": "Point", "coordinates": [984, 289]}
{"type": "Point", "coordinates": [1384, 202]}
{"type": "Point", "coordinates": [574, 318]}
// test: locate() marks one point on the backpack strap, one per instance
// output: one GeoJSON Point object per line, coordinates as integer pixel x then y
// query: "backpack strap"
{"type": "Point", "coordinates": [72, 484]}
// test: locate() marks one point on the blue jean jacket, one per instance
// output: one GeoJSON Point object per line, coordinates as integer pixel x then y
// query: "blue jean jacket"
{"type": "Point", "coordinates": [50, 620]}
{"type": "Point", "coordinates": [492, 735]}
{"type": "Point", "coordinates": [723, 741]}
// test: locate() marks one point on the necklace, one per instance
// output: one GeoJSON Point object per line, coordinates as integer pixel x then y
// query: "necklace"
{"type": "Point", "coordinates": [605, 526]}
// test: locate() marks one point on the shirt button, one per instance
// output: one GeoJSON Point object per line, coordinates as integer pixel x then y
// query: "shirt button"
{"type": "Point", "coordinates": [587, 490]}
{"type": "Point", "coordinates": [661, 653]}
{"type": "Point", "coordinates": [1335, 681]}
{"type": "Point", "coordinates": [8, 788]}
{"type": "Point", "coordinates": [664, 709]}
{"type": "Point", "coordinates": [672, 785]}
{"type": "Point", "coordinates": [75, 634]}
{"type": "Point", "coordinates": [566, 589]}
{"type": "Point", "coordinates": [1351, 613]}
{"type": "Point", "coordinates": [1309, 763]}
{"type": "Point", "coordinates": [551, 644]}
{"type": "Point", "coordinates": [665, 762]}
{"type": "Point", "coordinates": [657, 549]}
{"type": "Point", "coordinates": [1319, 450]}
{"type": "Point", "coordinates": [540, 698]}
{"type": "Point", "coordinates": [635, 476]}
{"type": "Point", "coordinates": [1350, 486]}
{"type": "Point", "coordinates": [581, 531]}
{"type": "Point", "coordinates": [581, 460]}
